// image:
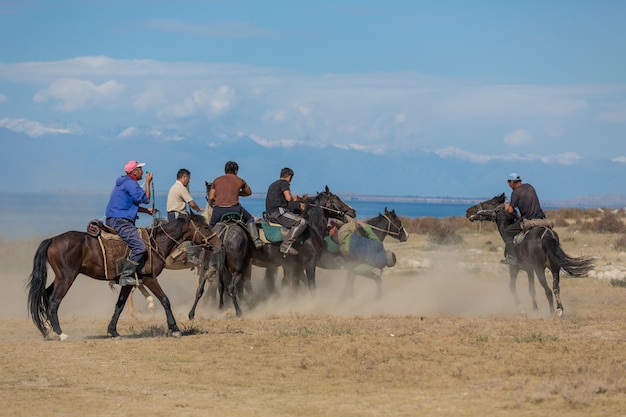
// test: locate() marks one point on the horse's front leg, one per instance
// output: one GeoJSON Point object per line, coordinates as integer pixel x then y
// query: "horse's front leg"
{"type": "Point", "coordinates": [513, 270]}
{"type": "Point", "coordinates": [156, 289]}
{"type": "Point", "coordinates": [119, 307]}
{"type": "Point", "coordinates": [199, 291]}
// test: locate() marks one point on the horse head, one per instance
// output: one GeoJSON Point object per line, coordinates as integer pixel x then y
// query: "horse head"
{"type": "Point", "coordinates": [334, 206]}
{"type": "Point", "coordinates": [198, 231]}
{"type": "Point", "coordinates": [395, 228]}
{"type": "Point", "coordinates": [486, 210]}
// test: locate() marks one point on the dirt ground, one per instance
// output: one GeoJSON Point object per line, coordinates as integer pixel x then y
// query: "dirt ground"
{"type": "Point", "coordinates": [444, 340]}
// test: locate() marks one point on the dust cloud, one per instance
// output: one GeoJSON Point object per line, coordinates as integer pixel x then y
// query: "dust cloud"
{"type": "Point", "coordinates": [443, 286]}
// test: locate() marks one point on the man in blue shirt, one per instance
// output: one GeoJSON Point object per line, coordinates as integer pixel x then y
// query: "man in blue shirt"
{"type": "Point", "coordinates": [121, 213]}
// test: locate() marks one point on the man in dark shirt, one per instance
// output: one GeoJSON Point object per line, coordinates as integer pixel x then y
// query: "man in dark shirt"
{"type": "Point", "coordinates": [281, 207]}
{"type": "Point", "coordinates": [523, 198]}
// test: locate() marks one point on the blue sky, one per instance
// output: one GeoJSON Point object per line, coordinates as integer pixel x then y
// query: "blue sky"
{"type": "Point", "coordinates": [534, 87]}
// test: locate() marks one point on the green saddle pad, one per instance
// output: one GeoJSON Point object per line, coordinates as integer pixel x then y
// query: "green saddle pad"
{"type": "Point", "coordinates": [272, 233]}
{"type": "Point", "coordinates": [331, 245]}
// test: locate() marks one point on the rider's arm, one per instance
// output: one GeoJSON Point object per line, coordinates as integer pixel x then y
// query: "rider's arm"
{"type": "Point", "coordinates": [245, 191]}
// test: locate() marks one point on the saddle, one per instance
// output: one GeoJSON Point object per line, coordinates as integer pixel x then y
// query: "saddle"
{"type": "Point", "coordinates": [528, 225]}
{"type": "Point", "coordinates": [114, 250]}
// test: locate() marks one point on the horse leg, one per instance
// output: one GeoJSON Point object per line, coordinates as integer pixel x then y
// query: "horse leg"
{"type": "Point", "coordinates": [348, 290]}
{"type": "Point", "coordinates": [131, 304]}
{"type": "Point", "coordinates": [541, 276]}
{"type": "Point", "coordinates": [531, 287]}
{"type": "Point", "coordinates": [156, 289]}
{"type": "Point", "coordinates": [233, 290]}
{"type": "Point", "coordinates": [513, 270]}
{"type": "Point", "coordinates": [310, 276]}
{"type": "Point", "coordinates": [199, 291]}
{"type": "Point", "coordinates": [55, 292]}
{"type": "Point", "coordinates": [147, 296]}
{"type": "Point", "coordinates": [557, 291]}
{"type": "Point", "coordinates": [378, 280]}
{"type": "Point", "coordinates": [119, 306]}
{"type": "Point", "coordinates": [270, 279]}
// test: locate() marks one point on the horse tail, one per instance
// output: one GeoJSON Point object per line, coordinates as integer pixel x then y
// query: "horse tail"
{"type": "Point", "coordinates": [574, 266]}
{"type": "Point", "coordinates": [37, 299]}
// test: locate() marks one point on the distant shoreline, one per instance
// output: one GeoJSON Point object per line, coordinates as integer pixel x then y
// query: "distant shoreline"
{"type": "Point", "coordinates": [583, 202]}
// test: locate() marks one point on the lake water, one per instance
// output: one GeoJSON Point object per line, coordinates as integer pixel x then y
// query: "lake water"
{"type": "Point", "coordinates": [48, 214]}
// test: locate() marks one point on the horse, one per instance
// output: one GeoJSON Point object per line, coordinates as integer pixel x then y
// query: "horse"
{"type": "Point", "coordinates": [385, 224]}
{"type": "Point", "coordinates": [539, 249]}
{"type": "Point", "coordinates": [72, 253]}
{"type": "Point", "coordinates": [231, 264]}
{"type": "Point", "coordinates": [319, 209]}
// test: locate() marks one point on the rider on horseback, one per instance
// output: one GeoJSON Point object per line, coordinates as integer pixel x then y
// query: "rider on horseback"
{"type": "Point", "coordinates": [524, 198]}
{"type": "Point", "coordinates": [281, 207]}
{"type": "Point", "coordinates": [121, 213]}
{"type": "Point", "coordinates": [225, 192]}
{"type": "Point", "coordinates": [367, 248]}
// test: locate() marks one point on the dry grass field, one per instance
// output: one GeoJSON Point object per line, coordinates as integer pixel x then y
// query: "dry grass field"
{"type": "Point", "coordinates": [445, 340]}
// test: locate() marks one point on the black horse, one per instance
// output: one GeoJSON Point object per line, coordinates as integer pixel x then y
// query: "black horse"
{"type": "Point", "coordinates": [319, 209]}
{"type": "Point", "coordinates": [540, 249]}
{"type": "Point", "coordinates": [385, 224]}
{"type": "Point", "coordinates": [72, 253]}
{"type": "Point", "coordinates": [231, 265]}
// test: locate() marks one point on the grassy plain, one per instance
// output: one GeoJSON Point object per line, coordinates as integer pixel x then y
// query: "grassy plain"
{"type": "Point", "coordinates": [445, 340]}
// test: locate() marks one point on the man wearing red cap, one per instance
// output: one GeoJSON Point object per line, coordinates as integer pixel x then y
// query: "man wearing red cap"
{"type": "Point", "coordinates": [121, 213]}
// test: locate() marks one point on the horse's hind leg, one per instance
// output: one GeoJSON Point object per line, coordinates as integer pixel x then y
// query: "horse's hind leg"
{"type": "Point", "coordinates": [557, 292]}
{"type": "Point", "coordinates": [55, 292]}
{"type": "Point", "coordinates": [531, 288]}
{"type": "Point", "coordinates": [541, 276]}
{"type": "Point", "coordinates": [233, 289]}
{"type": "Point", "coordinates": [119, 307]}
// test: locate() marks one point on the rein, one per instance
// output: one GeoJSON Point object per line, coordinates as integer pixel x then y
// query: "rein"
{"type": "Point", "coordinates": [205, 241]}
{"type": "Point", "coordinates": [388, 230]}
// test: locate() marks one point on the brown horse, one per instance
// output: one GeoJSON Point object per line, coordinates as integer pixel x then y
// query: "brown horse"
{"type": "Point", "coordinates": [72, 253]}
{"type": "Point", "coordinates": [539, 249]}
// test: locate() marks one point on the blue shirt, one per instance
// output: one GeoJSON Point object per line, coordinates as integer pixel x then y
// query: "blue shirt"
{"type": "Point", "coordinates": [125, 198]}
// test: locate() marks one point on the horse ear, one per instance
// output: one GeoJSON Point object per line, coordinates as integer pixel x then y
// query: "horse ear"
{"type": "Point", "coordinates": [386, 211]}
{"type": "Point", "coordinates": [501, 197]}
{"type": "Point", "coordinates": [327, 190]}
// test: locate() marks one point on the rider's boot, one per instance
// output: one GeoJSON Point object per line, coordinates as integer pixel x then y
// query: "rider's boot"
{"type": "Point", "coordinates": [254, 234]}
{"type": "Point", "coordinates": [290, 239]}
{"type": "Point", "coordinates": [511, 258]}
{"type": "Point", "coordinates": [127, 277]}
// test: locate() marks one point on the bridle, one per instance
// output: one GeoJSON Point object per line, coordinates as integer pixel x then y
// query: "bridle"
{"type": "Point", "coordinates": [490, 214]}
{"type": "Point", "coordinates": [390, 223]}
{"type": "Point", "coordinates": [333, 208]}
{"type": "Point", "coordinates": [206, 240]}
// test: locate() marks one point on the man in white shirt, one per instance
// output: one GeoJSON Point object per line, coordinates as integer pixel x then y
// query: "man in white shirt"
{"type": "Point", "coordinates": [178, 197]}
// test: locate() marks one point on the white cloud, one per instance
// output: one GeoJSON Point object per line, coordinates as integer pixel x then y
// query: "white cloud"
{"type": "Point", "coordinates": [280, 143]}
{"type": "Point", "coordinates": [567, 158]}
{"type": "Point", "coordinates": [518, 137]}
{"type": "Point", "coordinates": [275, 116]}
{"type": "Point", "coordinates": [619, 159]}
{"type": "Point", "coordinates": [31, 128]}
{"type": "Point", "coordinates": [211, 102]}
{"type": "Point", "coordinates": [75, 94]}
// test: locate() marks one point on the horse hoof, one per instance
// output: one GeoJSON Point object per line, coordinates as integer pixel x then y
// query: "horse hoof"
{"type": "Point", "coordinates": [63, 337]}
{"type": "Point", "coordinates": [559, 312]}
{"type": "Point", "coordinates": [176, 334]}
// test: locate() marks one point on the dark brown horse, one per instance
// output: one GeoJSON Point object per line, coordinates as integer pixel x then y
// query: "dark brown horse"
{"type": "Point", "coordinates": [540, 249]}
{"type": "Point", "coordinates": [383, 225]}
{"type": "Point", "coordinates": [232, 264]}
{"type": "Point", "coordinates": [72, 253]}
{"type": "Point", "coordinates": [301, 267]}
